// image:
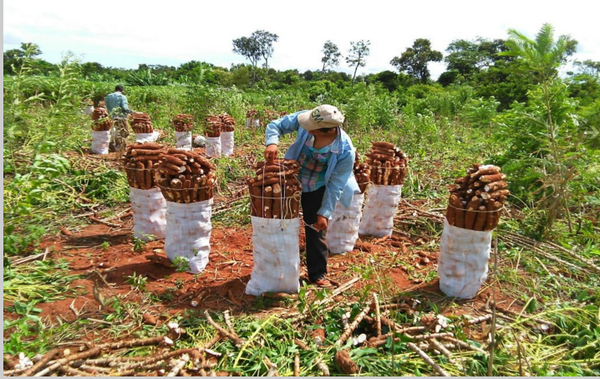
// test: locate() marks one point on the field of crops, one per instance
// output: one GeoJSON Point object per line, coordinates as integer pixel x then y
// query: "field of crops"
{"type": "Point", "coordinates": [84, 297]}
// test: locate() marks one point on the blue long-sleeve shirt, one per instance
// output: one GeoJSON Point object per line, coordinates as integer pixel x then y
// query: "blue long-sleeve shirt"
{"type": "Point", "coordinates": [340, 184]}
{"type": "Point", "coordinates": [116, 105]}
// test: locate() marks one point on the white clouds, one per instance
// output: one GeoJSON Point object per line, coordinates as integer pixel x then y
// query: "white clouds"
{"type": "Point", "coordinates": [127, 33]}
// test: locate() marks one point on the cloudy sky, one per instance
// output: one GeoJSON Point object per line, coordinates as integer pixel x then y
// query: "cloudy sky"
{"type": "Point", "coordinates": [127, 33]}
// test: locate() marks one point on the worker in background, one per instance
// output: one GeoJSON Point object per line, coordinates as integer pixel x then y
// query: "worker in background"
{"type": "Point", "coordinates": [118, 109]}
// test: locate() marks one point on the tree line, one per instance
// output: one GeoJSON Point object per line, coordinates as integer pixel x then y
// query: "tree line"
{"type": "Point", "coordinates": [481, 63]}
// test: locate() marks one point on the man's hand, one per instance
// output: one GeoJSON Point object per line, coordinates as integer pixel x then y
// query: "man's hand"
{"type": "Point", "coordinates": [271, 152]}
{"type": "Point", "coordinates": [321, 224]}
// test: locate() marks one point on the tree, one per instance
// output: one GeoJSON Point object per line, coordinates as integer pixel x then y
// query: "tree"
{"type": "Point", "coordinates": [414, 60]}
{"type": "Point", "coordinates": [331, 55]}
{"type": "Point", "coordinates": [264, 41]}
{"type": "Point", "coordinates": [388, 79]}
{"type": "Point", "coordinates": [588, 67]}
{"type": "Point", "coordinates": [256, 47]}
{"type": "Point", "coordinates": [196, 72]}
{"type": "Point", "coordinates": [470, 57]}
{"type": "Point", "coordinates": [90, 68]}
{"type": "Point", "coordinates": [13, 59]}
{"type": "Point", "coordinates": [248, 47]}
{"type": "Point", "coordinates": [357, 55]}
{"type": "Point", "coordinates": [584, 84]}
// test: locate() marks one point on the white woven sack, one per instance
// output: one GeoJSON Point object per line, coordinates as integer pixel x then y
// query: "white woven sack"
{"type": "Point", "coordinates": [213, 146]}
{"type": "Point", "coordinates": [199, 141]}
{"type": "Point", "coordinates": [227, 143]}
{"type": "Point", "coordinates": [381, 203]}
{"type": "Point", "coordinates": [276, 256]}
{"type": "Point", "coordinates": [146, 137]}
{"type": "Point", "coordinates": [463, 260]}
{"type": "Point", "coordinates": [100, 142]}
{"type": "Point", "coordinates": [252, 122]}
{"type": "Point", "coordinates": [342, 231]}
{"type": "Point", "coordinates": [188, 233]}
{"type": "Point", "coordinates": [149, 213]}
{"type": "Point", "coordinates": [184, 140]}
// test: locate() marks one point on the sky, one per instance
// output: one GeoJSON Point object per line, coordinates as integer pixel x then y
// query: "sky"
{"type": "Point", "coordinates": [126, 33]}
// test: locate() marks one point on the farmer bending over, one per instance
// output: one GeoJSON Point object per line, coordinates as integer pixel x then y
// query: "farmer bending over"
{"type": "Point", "coordinates": [326, 157]}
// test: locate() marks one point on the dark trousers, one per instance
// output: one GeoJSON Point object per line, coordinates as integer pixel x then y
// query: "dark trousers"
{"type": "Point", "coordinates": [316, 247]}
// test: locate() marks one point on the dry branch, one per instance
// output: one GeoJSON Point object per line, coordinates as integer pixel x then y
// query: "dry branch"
{"type": "Point", "coordinates": [63, 361]}
{"type": "Point", "coordinates": [71, 371]}
{"type": "Point", "coordinates": [377, 315]}
{"type": "Point", "coordinates": [427, 359]}
{"type": "Point", "coordinates": [464, 344]}
{"type": "Point", "coordinates": [297, 365]}
{"type": "Point", "coordinates": [542, 248]}
{"type": "Point", "coordinates": [435, 344]}
{"type": "Point", "coordinates": [236, 340]}
{"type": "Point", "coordinates": [42, 362]}
{"type": "Point", "coordinates": [322, 366]}
{"type": "Point", "coordinates": [353, 326]}
{"type": "Point", "coordinates": [132, 343]}
{"type": "Point", "coordinates": [179, 364]}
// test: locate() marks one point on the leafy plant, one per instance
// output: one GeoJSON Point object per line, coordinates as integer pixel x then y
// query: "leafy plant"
{"type": "Point", "coordinates": [137, 282]}
{"type": "Point", "coordinates": [181, 264]}
{"type": "Point", "coordinates": [138, 244]}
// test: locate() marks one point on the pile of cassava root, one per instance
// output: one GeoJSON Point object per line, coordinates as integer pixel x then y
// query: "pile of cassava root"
{"type": "Point", "coordinates": [388, 164]}
{"type": "Point", "coordinates": [477, 199]}
{"type": "Point", "coordinates": [362, 173]}
{"type": "Point", "coordinates": [101, 120]}
{"type": "Point", "coordinates": [141, 123]}
{"type": "Point", "coordinates": [183, 122]}
{"type": "Point", "coordinates": [139, 161]}
{"type": "Point", "coordinates": [212, 126]}
{"type": "Point", "coordinates": [185, 176]}
{"type": "Point", "coordinates": [227, 122]}
{"type": "Point", "coordinates": [252, 113]}
{"type": "Point", "coordinates": [275, 191]}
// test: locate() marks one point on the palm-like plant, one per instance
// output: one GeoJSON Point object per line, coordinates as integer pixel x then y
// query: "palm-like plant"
{"type": "Point", "coordinates": [544, 55]}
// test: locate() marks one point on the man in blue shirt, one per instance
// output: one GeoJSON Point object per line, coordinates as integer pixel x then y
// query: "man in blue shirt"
{"type": "Point", "coordinates": [118, 109]}
{"type": "Point", "coordinates": [326, 157]}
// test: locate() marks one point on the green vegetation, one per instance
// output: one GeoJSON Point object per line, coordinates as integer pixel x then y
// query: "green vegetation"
{"type": "Point", "coordinates": [509, 109]}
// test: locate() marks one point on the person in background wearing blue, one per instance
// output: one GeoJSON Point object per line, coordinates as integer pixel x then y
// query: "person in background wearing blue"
{"type": "Point", "coordinates": [326, 157]}
{"type": "Point", "coordinates": [118, 109]}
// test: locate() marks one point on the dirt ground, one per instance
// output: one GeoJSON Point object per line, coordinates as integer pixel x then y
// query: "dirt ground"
{"type": "Point", "coordinates": [222, 284]}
